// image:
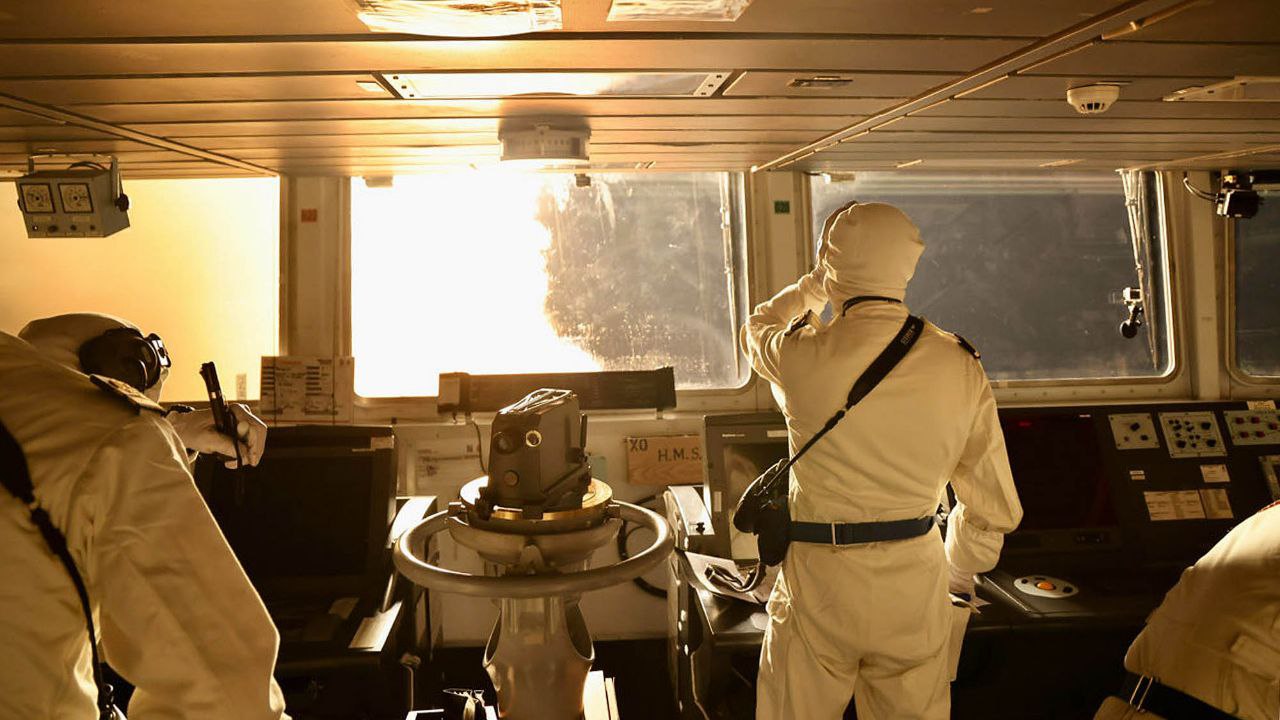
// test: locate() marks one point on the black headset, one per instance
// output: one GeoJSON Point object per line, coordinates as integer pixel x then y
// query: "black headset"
{"type": "Point", "coordinates": [126, 355]}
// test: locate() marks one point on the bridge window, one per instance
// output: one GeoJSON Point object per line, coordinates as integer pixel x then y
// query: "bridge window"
{"type": "Point", "coordinates": [1029, 267]}
{"type": "Point", "coordinates": [1257, 289]}
{"type": "Point", "coordinates": [509, 272]}
{"type": "Point", "coordinates": [198, 265]}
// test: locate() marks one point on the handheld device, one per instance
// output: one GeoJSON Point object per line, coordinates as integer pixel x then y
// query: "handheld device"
{"type": "Point", "coordinates": [223, 420]}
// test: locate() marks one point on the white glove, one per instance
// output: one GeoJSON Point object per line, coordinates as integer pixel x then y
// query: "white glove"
{"type": "Point", "coordinates": [197, 431]}
{"type": "Point", "coordinates": [959, 583]}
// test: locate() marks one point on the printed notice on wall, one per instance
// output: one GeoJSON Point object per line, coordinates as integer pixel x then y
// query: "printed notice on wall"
{"type": "Point", "coordinates": [1180, 505]}
{"type": "Point", "coordinates": [1215, 473]}
{"type": "Point", "coordinates": [308, 389]}
{"type": "Point", "coordinates": [1217, 506]}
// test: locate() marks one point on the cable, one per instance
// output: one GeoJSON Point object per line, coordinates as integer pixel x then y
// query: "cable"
{"type": "Point", "coordinates": [1186, 182]}
{"type": "Point", "coordinates": [479, 448]}
{"type": "Point", "coordinates": [623, 535]}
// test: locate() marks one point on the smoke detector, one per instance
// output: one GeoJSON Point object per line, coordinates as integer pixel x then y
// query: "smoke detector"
{"type": "Point", "coordinates": [545, 145]}
{"type": "Point", "coordinates": [1093, 99]}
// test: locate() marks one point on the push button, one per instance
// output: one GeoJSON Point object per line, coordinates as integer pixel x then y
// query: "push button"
{"type": "Point", "coordinates": [1046, 585]}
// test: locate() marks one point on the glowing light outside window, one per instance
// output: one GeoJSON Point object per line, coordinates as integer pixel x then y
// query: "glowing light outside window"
{"type": "Point", "coordinates": [1028, 267]}
{"type": "Point", "coordinates": [522, 272]}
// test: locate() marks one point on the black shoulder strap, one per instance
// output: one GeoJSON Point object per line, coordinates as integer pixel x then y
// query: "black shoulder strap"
{"type": "Point", "coordinates": [16, 478]}
{"type": "Point", "coordinates": [885, 362]}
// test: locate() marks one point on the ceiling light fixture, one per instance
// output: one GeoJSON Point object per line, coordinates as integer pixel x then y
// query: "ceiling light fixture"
{"type": "Point", "coordinates": [668, 10]}
{"type": "Point", "coordinates": [460, 18]}
{"type": "Point", "coordinates": [414, 86]}
{"type": "Point", "coordinates": [1253, 88]}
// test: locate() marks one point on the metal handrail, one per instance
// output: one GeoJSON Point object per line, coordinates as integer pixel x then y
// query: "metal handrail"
{"type": "Point", "coordinates": [422, 572]}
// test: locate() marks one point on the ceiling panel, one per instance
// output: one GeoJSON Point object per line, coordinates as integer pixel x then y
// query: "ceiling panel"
{"type": "Point", "coordinates": [44, 133]}
{"type": "Point", "coordinates": [1122, 109]}
{"type": "Point", "coordinates": [143, 18]}
{"type": "Point", "coordinates": [862, 85]}
{"type": "Point", "coordinates": [1054, 87]}
{"type": "Point", "coordinates": [1089, 124]}
{"type": "Point", "coordinates": [99, 59]}
{"type": "Point", "coordinates": [810, 123]}
{"type": "Point", "coordinates": [210, 170]}
{"type": "Point", "coordinates": [584, 107]}
{"type": "Point", "coordinates": [633, 137]}
{"type": "Point", "coordinates": [1059, 146]}
{"type": "Point", "coordinates": [191, 89]}
{"type": "Point", "coordinates": [1234, 21]}
{"type": "Point", "coordinates": [1030, 135]}
{"type": "Point", "coordinates": [817, 163]}
{"type": "Point", "coordinates": [1045, 154]}
{"type": "Point", "coordinates": [105, 144]}
{"type": "Point", "coordinates": [275, 84]}
{"type": "Point", "coordinates": [126, 158]}
{"type": "Point", "coordinates": [16, 117]}
{"type": "Point", "coordinates": [1169, 59]}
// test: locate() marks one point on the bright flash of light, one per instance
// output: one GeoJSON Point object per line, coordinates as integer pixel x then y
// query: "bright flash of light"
{"type": "Point", "coordinates": [448, 275]}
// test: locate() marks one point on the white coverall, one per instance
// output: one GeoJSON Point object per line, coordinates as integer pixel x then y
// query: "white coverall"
{"type": "Point", "coordinates": [1216, 636]}
{"type": "Point", "coordinates": [176, 615]}
{"type": "Point", "coordinates": [873, 620]}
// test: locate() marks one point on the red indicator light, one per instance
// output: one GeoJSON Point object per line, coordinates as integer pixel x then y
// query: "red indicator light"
{"type": "Point", "coordinates": [1025, 424]}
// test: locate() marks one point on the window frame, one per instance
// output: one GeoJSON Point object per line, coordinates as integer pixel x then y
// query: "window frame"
{"type": "Point", "coordinates": [418, 408]}
{"type": "Point", "coordinates": [776, 253]}
{"type": "Point", "coordinates": [1174, 383]}
{"type": "Point", "coordinates": [1242, 383]}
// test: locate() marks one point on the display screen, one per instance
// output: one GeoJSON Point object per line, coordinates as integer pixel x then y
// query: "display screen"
{"type": "Point", "coordinates": [743, 464]}
{"type": "Point", "coordinates": [1057, 467]}
{"type": "Point", "coordinates": [297, 516]}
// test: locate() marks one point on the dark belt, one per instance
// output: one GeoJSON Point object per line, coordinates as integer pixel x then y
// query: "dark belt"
{"type": "Point", "coordinates": [1145, 693]}
{"type": "Point", "coordinates": [858, 533]}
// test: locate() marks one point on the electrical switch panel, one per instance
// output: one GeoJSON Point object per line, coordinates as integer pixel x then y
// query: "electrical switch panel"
{"type": "Point", "coordinates": [1134, 431]}
{"type": "Point", "coordinates": [1253, 427]}
{"type": "Point", "coordinates": [1192, 434]}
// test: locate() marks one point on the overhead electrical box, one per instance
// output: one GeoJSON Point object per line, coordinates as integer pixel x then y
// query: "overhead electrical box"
{"type": "Point", "coordinates": [544, 145]}
{"type": "Point", "coordinates": [83, 200]}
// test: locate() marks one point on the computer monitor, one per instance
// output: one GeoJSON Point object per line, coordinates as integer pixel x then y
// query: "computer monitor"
{"type": "Point", "coordinates": [1057, 465]}
{"type": "Point", "coordinates": [314, 513]}
{"type": "Point", "coordinates": [739, 448]}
